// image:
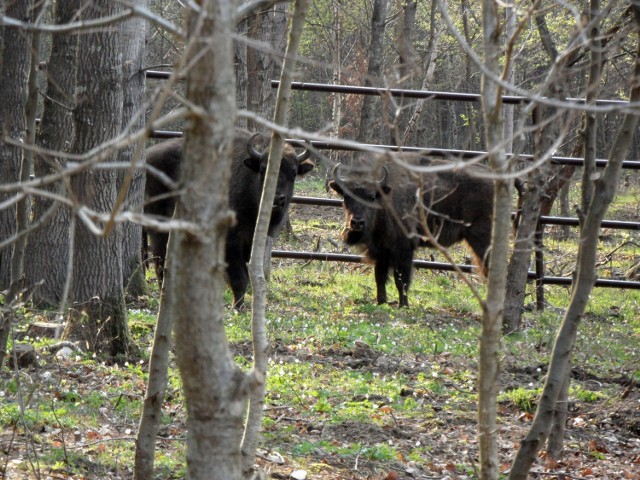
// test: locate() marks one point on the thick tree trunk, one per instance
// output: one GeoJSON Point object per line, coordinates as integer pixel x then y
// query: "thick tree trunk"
{"type": "Point", "coordinates": [13, 85]}
{"type": "Point", "coordinates": [48, 247]}
{"type": "Point", "coordinates": [215, 389]}
{"type": "Point", "coordinates": [133, 49]}
{"type": "Point", "coordinates": [98, 317]}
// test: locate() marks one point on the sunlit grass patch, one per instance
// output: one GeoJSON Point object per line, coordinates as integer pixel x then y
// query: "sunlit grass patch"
{"type": "Point", "coordinates": [525, 400]}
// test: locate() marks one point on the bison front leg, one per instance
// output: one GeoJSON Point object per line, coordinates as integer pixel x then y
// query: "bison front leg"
{"type": "Point", "coordinates": [237, 276]}
{"type": "Point", "coordinates": [381, 274]}
{"type": "Point", "coordinates": [158, 248]}
{"type": "Point", "coordinates": [402, 276]}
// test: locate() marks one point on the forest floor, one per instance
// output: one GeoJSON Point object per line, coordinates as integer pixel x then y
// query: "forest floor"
{"type": "Point", "coordinates": [385, 440]}
{"type": "Point", "coordinates": [355, 391]}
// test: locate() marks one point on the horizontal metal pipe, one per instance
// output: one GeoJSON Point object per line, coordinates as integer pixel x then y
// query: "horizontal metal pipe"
{"type": "Point", "coordinates": [396, 92]}
{"type": "Point", "coordinates": [547, 220]}
{"type": "Point", "coordinates": [326, 202]}
{"type": "Point", "coordinates": [399, 92]}
{"type": "Point", "coordinates": [157, 74]}
{"type": "Point", "coordinates": [435, 152]}
{"type": "Point", "coordinates": [341, 257]}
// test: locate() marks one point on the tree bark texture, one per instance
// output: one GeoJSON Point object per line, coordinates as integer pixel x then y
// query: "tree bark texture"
{"type": "Point", "coordinates": [241, 69]}
{"type": "Point", "coordinates": [496, 286]}
{"type": "Point", "coordinates": [555, 442]}
{"type": "Point", "coordinates": [13, 75]}
{"type": "Point", "coordinates": [260, 254]}
{"type": "Point", "coordinates": [157, 382]}
{"type": "Point", "coordinates": [98, 317]}
{"type": "Point", "coordinates": [401, 113]}
{"type": "Point", "coordinates": [520, 261]}
{"type": "Point", "coordinates": [15, 68]}
{"type": "Point", "coordinates": [374, 70]}
{"type": "Point", "coordinates": [603, 191]}
{"type": "Point", "coordinates": [539, 185]}
{"type": "Point", "coordinates": [469, 85]}
{"type": "Point", "coordinates": [48, 247]}
{"type": "Point", "coordinates": [215, 389]}
{"type": "Point", "coordinates": [267, 28]}
{"type": "Point", "coordinates": [336, 78]}
{"type": "Point", "coordinates": [133, 118]}
{"type": "Point", "coordinates": [435, 28]}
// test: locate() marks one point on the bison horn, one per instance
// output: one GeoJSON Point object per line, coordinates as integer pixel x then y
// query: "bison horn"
{"type": "Point", "coordinates": [385, 171]}
{"type": "Point", "coordinates": [304, 155]}
{"type": "Point", "coordinates": [336, 174]}
{"type": "Point", "coordinates": [253, 151]}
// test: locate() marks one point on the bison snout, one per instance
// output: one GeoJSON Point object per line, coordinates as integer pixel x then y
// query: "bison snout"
{"type": "Point", "coordinates": [356, 224]}
{"type": "Point", "coordinates": [280, 201]}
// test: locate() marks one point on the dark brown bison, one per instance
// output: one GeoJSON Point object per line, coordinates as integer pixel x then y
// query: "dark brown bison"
{"type": "Point", "coordinates": [247, 177]}
{"type": "Point", "coordinates": [388, 206]}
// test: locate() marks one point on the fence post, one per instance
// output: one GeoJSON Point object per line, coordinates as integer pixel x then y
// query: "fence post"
{"type": "Point", "coordinates": [539, 261]}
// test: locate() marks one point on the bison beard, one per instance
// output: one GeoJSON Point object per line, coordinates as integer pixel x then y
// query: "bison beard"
{"type": "Point", "coordinates": [385, 219]}
{"type": "Point", "coordinates": [247, 177]}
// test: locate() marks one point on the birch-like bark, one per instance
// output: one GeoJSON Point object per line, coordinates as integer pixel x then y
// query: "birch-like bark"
{"type": "Point", "coordinates": [215, 388]}
{"type": "Point", "coordinates": [604, 189]}
{"type": "Point", "coordinates": [259, 248]}
{"type": "Point", "coordinates": [492, 308]}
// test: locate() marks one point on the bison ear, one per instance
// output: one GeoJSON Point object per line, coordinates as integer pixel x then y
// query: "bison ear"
{"type": "Point", "coordinates": [385, 189]}
{"type": "Point", "coordinates": [252, 164]}
{"type": "Point", "coordinates": [333, 185]}
{"type": "Point", "coordinates": [305, 167]}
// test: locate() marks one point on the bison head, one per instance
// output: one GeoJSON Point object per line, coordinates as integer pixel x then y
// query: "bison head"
{"type": "Point", "coordinates": [362, 190]}
{"type": "Point", "coordinates": [292, 165]}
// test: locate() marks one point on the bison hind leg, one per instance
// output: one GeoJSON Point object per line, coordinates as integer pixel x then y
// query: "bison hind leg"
{"type": "Point", "coordinates": [481, 249]}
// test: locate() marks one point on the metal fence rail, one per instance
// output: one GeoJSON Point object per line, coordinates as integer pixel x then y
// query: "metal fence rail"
{"type": "Point", "coordinates": [426, 264]}
{"type": "Point", "coordinates": [434, 152]}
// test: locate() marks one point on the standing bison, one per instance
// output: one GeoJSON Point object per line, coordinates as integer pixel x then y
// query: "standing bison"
{"type": "Point", "coordinates": [247, 177]}
{"type": "Point", "coordinates": [388, 206]}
